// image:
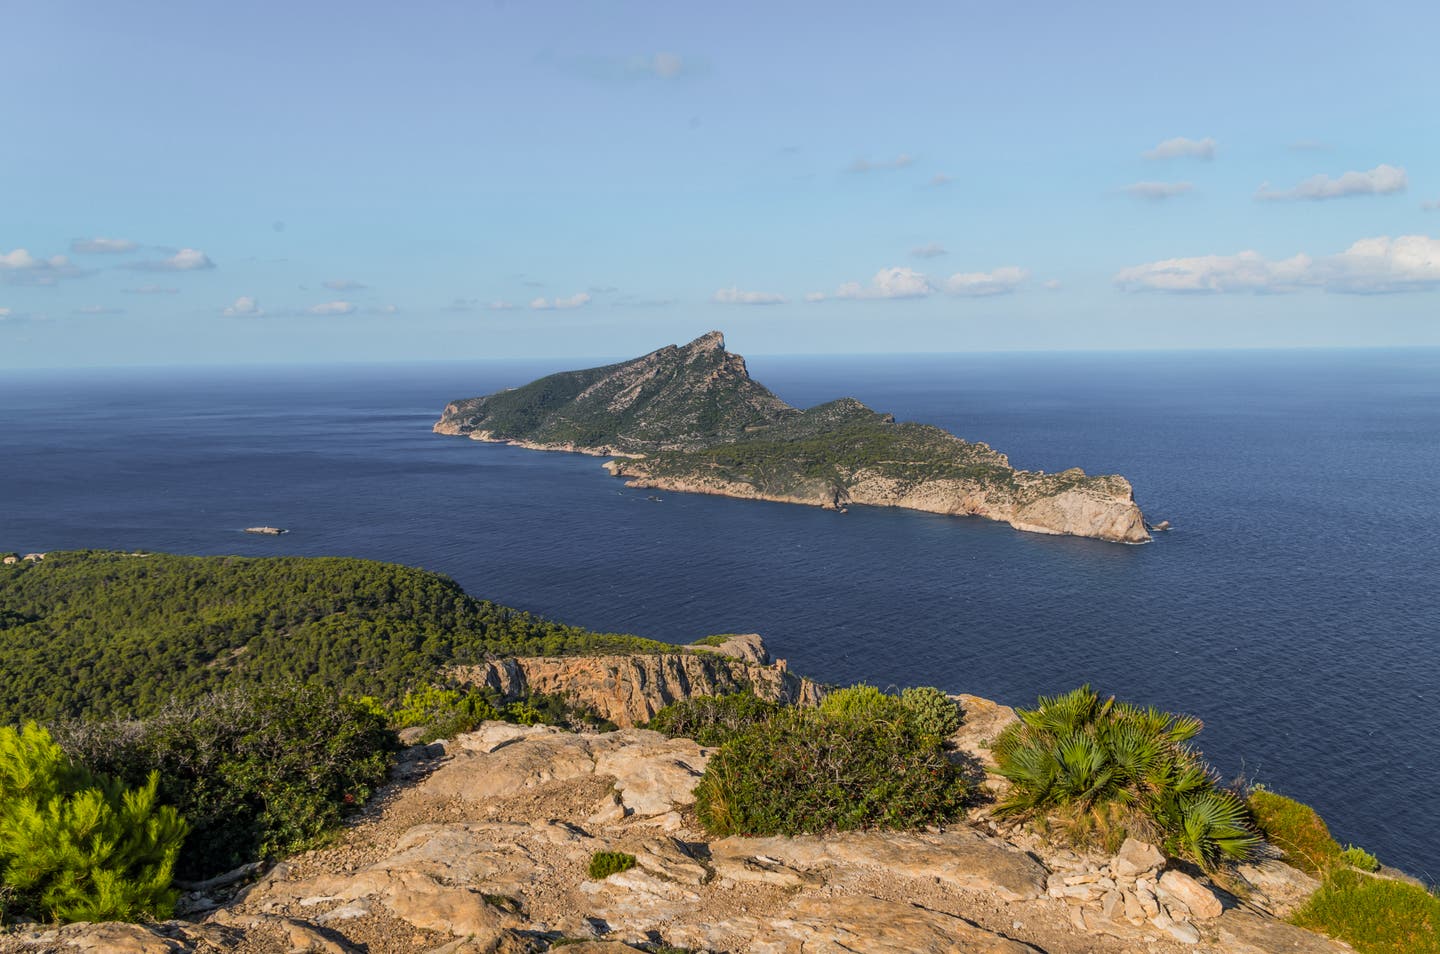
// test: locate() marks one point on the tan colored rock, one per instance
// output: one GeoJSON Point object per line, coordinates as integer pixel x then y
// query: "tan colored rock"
{"type": "Point", "coordinates": [813, 924]}
{"type": "Point", "coordinates": [653, 774]}
{"type": "Point", "coordinates": [629, 689]}
{"type": "Point", "coordinates": [1135, 858]}
{"type": "Point", "coordinates": [1283, 889]}
{"type": "Point", "coordinates": [306, 938]}
{"type": "Point", "coordinates": [526, 763]}
{"type": "Point", "coordinates": [1243, 932]}
{"type": "Point", "coordinates": [961, 858]}
{"type": "Point", "coordinates": [115, 938]}
{"type": "Point", "coordinates": [1198, 899]}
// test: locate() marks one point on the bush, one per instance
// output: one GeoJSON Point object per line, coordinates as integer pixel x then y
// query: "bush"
{"type": "Point", "coordinates": [806, 771]}
{"type": "Point", "coordinates": [1374, 915]}
{"type": "Point", "coordinates": [1078, 754]}
{"type": "Point", "coordinates": [862, 703]}
{"type": "Point", "coordinates": [1360, 858]}
{"type": "Point", "coordinates": [1296, 829]}
{"type": "Point", "coordinates": [445, 713]}
{"type": "Point", "coordinates": [605, 863]}
{"type": "Point", "coordinates": [713, 720]}
{"type": "Point", "coordinates": [933, 712]}
{"type": "Point", "coordinates": [257, 774]}
{"type": "Point", "coordinates": [76, 846]}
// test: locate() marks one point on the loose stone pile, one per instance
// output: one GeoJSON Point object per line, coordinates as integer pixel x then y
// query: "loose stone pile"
{"type": "Point", "coordinates": [1130, 892]}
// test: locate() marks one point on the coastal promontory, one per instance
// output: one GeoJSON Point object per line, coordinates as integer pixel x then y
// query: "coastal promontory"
{"type": "Point", "coordinates": [691, 419]}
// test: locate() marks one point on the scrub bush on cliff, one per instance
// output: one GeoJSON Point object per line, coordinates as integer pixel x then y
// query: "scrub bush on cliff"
{"type": "Point", "coordinates": [806, 771]}
{"type": "Point", "coordinates": [258, 773]}
{"type": "Point", "coordinates": [1084, 756]}
{"type": "Point", "coordinates": [76, 846]}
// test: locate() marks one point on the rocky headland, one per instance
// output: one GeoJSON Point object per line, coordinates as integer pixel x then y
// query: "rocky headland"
{"type": "Point", "coordinates": [481, 844]}
{"type": "Point", "coordinates": [691, 419]}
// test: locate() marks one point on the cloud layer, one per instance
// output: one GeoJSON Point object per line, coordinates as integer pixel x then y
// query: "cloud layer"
{"type": "Point", "coordinates": [244, 307]}
{"type": "Point", "coordinates": [1157, 191]}
{"type": "Point", "coordinates": [19, 267]}
{"type": "Point", "coordinates": [734, 296]}
{"type": "Point", "coordinates": [1369, 266]}
{"type": "Point", "coordinates": [576, 300]}
{"type": "Point", "coordinates": [103, 246]}
{"type": "Point", "coordinates": [902, 282]}
{"type": "Point", "coordinates": [1382, 180]}
{"type": "Point", "coordinates": [185, 260]}
{"type": "Point", "coordinates": [1182, 148]}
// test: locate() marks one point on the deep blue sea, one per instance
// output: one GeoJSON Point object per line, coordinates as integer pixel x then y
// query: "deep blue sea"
{"type": "Point", "coordinates": [1295, 607]}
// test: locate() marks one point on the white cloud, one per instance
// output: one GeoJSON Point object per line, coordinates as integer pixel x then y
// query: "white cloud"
{"type": "Point", "coordinates": [666, 65]}
{"type": "Point", "coordinates": [1369, 266]}
{"type": "Point", "coordinates": [5, 313]}
{"type": "Point", "coordinates": [103, 246]}
{"type": "Point", "coordinates": [1182, 148]}
{"type": "Point", "coordinates": [385, 310]}
{"type": "Point", "coordinates": [1245, 272]}
{"type": "Point", "coordinates": [865, 165]}
{"type": "Point", "coordinates": [244, 307]}
{"type": "Point", "coordinates": [151, 290]}
{"type": "Point", "coordinates": [574, 301]}
{"type": "Point", "coordinates": [1002, 281]}
{"type": "Point", "coordinates": [1430, 205]}
{"type": "Point", "coordinates": [499, 305]}
{"type": "Point", "coordinates": [1382, 180]}
{"type": "Point", "coordinates": [19, 267]}
{"type": "Point", "coordinates": [332, 308]}
{"type": "Point", "coordinates": [99, 310]}
{"type": "Point", "coordinates": [895, 282]}
{"type": "Point", "coordinates": [185, 260]}
{"type": "Point", "coordinates": [342, 284]}
{"type": "Point", "coordinates": [1157, 191]}
{"type": "Point", "coordinates": [933, 250]}
{"type": "Point", "coordinates": [815, 296]}
{"type": "Point", "coordinates": [940, 179]}
{"type": "Point", "coordinates": [1051, 284]}
{"type": "Point", "coordinates": [734, 296]}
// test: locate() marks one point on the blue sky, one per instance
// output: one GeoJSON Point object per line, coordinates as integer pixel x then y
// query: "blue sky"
{"type": "Point", "coordinates": [205, 183]}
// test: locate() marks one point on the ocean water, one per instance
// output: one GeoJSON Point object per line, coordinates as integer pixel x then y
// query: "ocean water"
{"type": "Point", "coordinates": [1295, 607]}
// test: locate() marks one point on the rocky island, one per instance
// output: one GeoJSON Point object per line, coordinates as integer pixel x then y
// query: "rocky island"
{"type": "Point", "coordinates": [692, 419]}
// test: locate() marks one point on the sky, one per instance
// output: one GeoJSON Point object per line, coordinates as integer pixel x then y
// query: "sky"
{"type": "Point", "coordinates": [197, 183]}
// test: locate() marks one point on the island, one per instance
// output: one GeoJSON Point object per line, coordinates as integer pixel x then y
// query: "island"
{"type": "Point", "coordinates": [691, 419]}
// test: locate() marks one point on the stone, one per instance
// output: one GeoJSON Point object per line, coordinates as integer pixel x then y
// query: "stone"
{"type": "Point", "coordinates": [1243, 932]}
{"type": "Point", "coordinates": [1113, 904]}
{"type": "Point", "coordinates": [1135, 858]}
{"type": "Point", "coordinates": [814, 924]}
{"type": "Point", "coordinates": [1199, 899]}
{"type": "Point", "coordinates": [1184, 932]}
{"type": "Point", "coordinates": [1285, 889]}
{"type": "Point", "coordinates": [115, 938]}
{"type": "Point", "coordinates": [306, 938]}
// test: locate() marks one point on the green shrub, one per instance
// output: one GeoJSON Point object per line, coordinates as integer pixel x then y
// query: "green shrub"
{"type": "Point", "coordinates": [1078, 754]}
{"type": "Point", "coordinates": [605, 863]}
{"type": "Point", "coordinates": [713, 720]}
{"type": "Point", "coordinates": [1360, 858]}
{"type": "Point", "coordinates": [804, 771]}
{"type": "Point", "coordinates": [76, 846]}
{"type": "Point", "coordinates": [1374, 915]}
{"type": "Point", "coordinates": [445, 713]}
{"type": "Point", "coordinates": [933, 712]}
{"type": "Point", "coordinates": [1296, 829]}
{"type": "Point", "coordinates": [862, 703]}
{"type": "Point", "coordinates": [257, 774]}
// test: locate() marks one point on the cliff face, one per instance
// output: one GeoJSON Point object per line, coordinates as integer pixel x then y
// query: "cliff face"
{"type": "Point", "coordinates": [629, 689]}
{"type": "Point", "coordinates": [690, 419]}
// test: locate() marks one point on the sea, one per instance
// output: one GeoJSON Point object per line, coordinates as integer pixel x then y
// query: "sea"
{"type": "Point", "coordinates": [1294, 606]}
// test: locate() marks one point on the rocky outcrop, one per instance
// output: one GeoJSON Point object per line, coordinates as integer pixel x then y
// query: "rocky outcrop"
{"type": "Point", "coordinates": [629, 689]}
{"type": "Point", "coordinates": [1103, 508]}
{"type": "Point", "coordinates": [691, 420]}
{"type": "Point", "coordinates": [489, 854]}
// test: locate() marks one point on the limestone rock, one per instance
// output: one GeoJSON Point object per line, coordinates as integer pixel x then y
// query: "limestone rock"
{"type": "Point", "coordinates": [1285, 889]}
{"type": "Point", "coordinates": [1198, 899]}
{"type": "Point", "coordinates": [114, 938]}
{"type": "Point", "coordinates": [1136, 858]}
{"type": "Point", "coordinates": [1243, 932]}
{"type": "Point", "coordinates": [814, 924]}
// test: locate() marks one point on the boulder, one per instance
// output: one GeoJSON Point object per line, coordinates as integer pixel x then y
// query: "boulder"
{"type": "Point", "coordinates": [1136, 858]}
{"type": "Point", "coordinates": [1199, 900]}
{"type": "Point", "coordinates": [1243, 932]}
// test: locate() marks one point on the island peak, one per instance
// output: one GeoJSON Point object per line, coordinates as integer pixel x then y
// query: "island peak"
{"type": "Point", "coordinates": [691, 419]}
